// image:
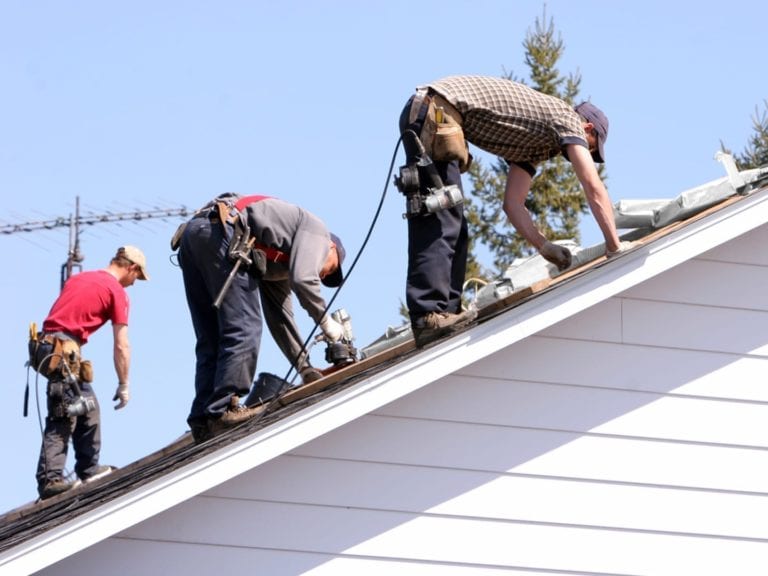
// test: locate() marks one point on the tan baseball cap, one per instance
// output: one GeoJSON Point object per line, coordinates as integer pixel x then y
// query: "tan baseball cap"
{"type": "Point", "coordinates": [136, 256]}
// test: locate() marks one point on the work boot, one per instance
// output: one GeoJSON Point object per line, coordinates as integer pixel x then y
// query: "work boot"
{"type": "Point", "coordinates": [199, 429]}
{"type": "Point", "coordinates": [433, 325]}
{"type": "Point", "coordinates": [53, 488]}
{"type": "Point", "coordinates": [234, 415]}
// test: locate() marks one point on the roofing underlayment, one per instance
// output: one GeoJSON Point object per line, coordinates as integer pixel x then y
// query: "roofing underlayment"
{"type": "Point", "coordinates": [524, 280]}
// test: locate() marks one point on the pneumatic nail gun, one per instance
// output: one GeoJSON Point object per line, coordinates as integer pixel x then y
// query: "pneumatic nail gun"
{"type": "Point", "coordinates": [342, 352]}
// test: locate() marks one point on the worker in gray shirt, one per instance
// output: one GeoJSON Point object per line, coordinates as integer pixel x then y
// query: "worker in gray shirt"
{"type": "Point", "coordinates": [290, 252]}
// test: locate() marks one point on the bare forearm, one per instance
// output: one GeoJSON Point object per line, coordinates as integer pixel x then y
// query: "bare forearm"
{"type": "Point", "coordinates": [520, 218]}
{"type": "Point", "coordinates": [122, 357]}
{"type": "Point", "coordinates": [602, 210]}
{"type": "Point", "coordinates": [121, 353]}
{"type": "Point", "coordinates": [518, 184]}
{"type": "Point", "coordinates": [596, 193]}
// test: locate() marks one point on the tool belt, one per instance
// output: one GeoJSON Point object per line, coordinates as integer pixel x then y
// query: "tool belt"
{"type": "Point", "coordinates": [230, 210]}
{"type": "Point", "coordinates": [441, 133]}
{"type": "Point", "coordinates": [57, 356]}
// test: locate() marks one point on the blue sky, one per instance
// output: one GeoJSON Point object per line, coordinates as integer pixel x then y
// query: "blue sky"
{"type": "Point", "coordinates": [143, 105]}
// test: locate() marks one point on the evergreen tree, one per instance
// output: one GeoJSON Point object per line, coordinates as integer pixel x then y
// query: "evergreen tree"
{"type": "Point", "coordinates": [556, 200]}
{"type": "Point", "coordinates": [755, 154]}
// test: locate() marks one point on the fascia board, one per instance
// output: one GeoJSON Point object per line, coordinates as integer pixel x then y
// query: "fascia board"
{"type": "Point", "coordinates": [547, 308]}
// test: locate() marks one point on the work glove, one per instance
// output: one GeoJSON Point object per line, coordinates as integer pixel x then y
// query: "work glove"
{"type": "Point", "coordinates": [333, 330]}
{"type": "Point", "coordinates": [559, 255]}
{"type": "Point", "coordinates": [123, 394]}
{"type": "Point", "coordinates": [623, 247]}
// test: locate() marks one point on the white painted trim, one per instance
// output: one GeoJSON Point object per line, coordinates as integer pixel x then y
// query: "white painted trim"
{"type": "Point", "coordinates": [563, 301]}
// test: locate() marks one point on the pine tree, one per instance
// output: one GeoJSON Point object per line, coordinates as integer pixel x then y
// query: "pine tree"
{"type": "Point", "coordinates": [556, 200]}
{"type": "Point", "coordinates": [755, 154]}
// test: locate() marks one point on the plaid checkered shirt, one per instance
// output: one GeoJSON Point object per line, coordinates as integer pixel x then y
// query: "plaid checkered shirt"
{"type": "Point", "coordinates": [510, 119]}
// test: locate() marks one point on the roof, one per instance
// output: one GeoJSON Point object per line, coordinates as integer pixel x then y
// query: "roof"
{"type": "Point", "coordinates": [40, 534]}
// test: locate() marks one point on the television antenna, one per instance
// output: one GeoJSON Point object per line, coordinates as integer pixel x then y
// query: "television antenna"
{"type": "Point", "coordinates": [75, 222]}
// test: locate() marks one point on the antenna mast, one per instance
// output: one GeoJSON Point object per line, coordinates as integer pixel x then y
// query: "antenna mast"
{"type": "Point", "coordinates": [74, 256]}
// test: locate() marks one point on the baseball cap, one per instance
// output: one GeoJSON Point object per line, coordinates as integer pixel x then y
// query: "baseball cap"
{"type": "Point", "coordinates": [334, 279]}
{"type": "Point", "coordinates": [595, 116]}
{"type": "Point", "coordinates": [136, 256]}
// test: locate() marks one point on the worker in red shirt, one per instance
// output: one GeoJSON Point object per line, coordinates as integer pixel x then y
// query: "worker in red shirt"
{"type": "Point", "coordinates": [87, 301]}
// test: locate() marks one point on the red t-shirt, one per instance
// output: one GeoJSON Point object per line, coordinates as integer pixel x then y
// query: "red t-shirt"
{"type": "Point", "coordinates": [87, 301]}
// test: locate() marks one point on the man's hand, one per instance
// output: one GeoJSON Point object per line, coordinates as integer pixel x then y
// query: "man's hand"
{"type": "Point", "coordinates": [333, 330]}
{"type": "Point", "coordinates": [559, 255]}
{"type": "Point", "coordinates": [623, 247]}
{"type": "Point", "coordinates": [123, 394]}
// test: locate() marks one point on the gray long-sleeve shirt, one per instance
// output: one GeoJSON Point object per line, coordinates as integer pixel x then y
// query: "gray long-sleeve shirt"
{"type": "Point", "coordinates": [305, 239]}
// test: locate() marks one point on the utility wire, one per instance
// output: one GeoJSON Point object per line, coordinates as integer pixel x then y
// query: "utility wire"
{"type": "Point", "coordinates": [304, 349]}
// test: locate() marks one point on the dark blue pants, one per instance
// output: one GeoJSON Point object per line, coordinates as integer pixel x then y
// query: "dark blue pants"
{"type": "Point", "coordinates": [228, 338]}
{"type": "Point", "coordinates": [437, 246]}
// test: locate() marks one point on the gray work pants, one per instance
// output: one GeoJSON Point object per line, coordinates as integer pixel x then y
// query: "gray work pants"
{"type": "Point", "coordinates": [84, 432]}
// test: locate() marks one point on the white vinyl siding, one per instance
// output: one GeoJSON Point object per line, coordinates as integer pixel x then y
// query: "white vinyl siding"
{"type": "Point", "coordinates": [629, 439]}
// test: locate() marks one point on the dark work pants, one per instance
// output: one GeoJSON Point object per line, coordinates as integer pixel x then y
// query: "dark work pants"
{"type": "Point", "coordinates": [85, 433]}
{"type": "Point", "coordinates": [228, 338]}
{"type": "Point", "coordinates": [437, 246]}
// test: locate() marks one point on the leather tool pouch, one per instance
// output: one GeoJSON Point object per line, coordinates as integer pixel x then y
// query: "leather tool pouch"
{"type": "Point", "coordinates": [44, 354]}
{"type": "Point", "coordinates": [447, 136]}
{"type": "Point", "coordinates": [50, 356]}
{"type": "Point", "coordinates": [449, 145]}
{"type": "Point", "coordinates": [70, 358]}
{"type": "Point", "coordinates": [86, 371]}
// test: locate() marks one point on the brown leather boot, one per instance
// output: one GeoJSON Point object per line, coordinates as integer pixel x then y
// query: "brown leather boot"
{"type": "Point", "coordinates": [234, 415]}
{"type": "Point", "coordinates": [433, 325]}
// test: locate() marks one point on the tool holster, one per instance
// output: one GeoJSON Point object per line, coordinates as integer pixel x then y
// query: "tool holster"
{"type": "Point", "coordinates": [57, 357]}
{"type": "Point", "coordinates": [45, 353]}
{"type": "Point", "coordinates": [441, 132]}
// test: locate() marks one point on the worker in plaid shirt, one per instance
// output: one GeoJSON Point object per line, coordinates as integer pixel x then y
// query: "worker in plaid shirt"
{"type": "Point", "coordinates": [523, 126]}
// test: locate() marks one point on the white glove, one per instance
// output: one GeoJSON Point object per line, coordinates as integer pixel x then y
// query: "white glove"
{"type": "Point", "coordinates": [333, 330]}
{"type": "Point", "coordinates": [623, 247]}
{"type": "Point", "coordinates": [559, 255]}
{"type": "Point", "coordinates": [123, 394]}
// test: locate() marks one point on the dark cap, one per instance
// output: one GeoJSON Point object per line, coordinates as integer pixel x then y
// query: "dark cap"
{"type": "Point", "coordinates": [334, 279]}
{"type": "Point", "coordinates": [595, 116]}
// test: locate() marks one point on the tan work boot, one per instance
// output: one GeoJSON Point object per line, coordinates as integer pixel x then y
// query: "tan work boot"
{"type": "Point", "coordinates": [54, 488]}
{"type": "Point", "coordinates": [433, 325]}
{"type": "Point", "coordinates": [234, 415]}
